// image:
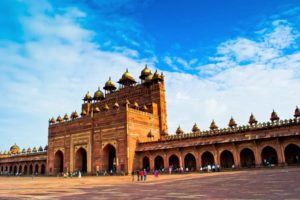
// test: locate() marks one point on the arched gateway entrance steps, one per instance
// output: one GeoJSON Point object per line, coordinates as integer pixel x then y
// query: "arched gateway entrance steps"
{"type": "Point", "coordinates": [247, 158]}
{"type": "Point", "coordinates": [292, 154]}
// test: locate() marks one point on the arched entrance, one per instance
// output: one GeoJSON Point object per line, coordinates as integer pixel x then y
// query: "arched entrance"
{"type": "Point", "coordinates": [30, 170]}
{"type": "Point", "coordinates": [227, 160]}
{"type": "Point", "coordinates": [109, 160]}
{"type": "Point", "coordinates": [190, 162]}
{"type": "Point", "coordinates": [15, 169]}
{"type": "Point", "coordinates": [207, 158]}
{"type": "Point", "coordinates": [174, 162]}
{"type": "Point", "coordinates": [247, 158]}
{"type": "Point", "coordinates": [25, 170]}
{"type": "Point", "coordinates": [146, 163]}
{"type": "Point", "coordinates": [43, 169]}
{"type": "Point", "coordinates": [159, 163]}
{"type": "Point", "coordinates": [20, 169]}
{"type": "Point", "coordinates": [269, 156]}
{"type": "Point", "coordinates": [59, 162]}
{"type": "Point", "coordinates": [81, 160]}
{"type": "Point", "coordinates": [292, 154]}
{"type": "Point", "coordinates": [36, 169]}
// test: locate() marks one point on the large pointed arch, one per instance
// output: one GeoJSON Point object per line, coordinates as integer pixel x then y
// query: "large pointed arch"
{"type": "Point", "coordinates": [81, 160]}
{"type": "Point", "coordinates": [58, 162]}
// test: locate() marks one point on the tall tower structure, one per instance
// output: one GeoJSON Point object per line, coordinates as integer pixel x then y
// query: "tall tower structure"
{"type": "Point", "coordinates": [104, 138]}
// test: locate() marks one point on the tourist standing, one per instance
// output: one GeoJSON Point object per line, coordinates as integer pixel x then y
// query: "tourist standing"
{"type": "Point", "coordinates": [138, 175]}
{"type": "Point", "coordinates": [141, 174]}
{"type": "Point", "coordinates": [145, 174]}
{"type": "Point", "coordinates": [132, 175]}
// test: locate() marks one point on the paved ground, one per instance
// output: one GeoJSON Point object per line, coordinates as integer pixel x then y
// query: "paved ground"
{"type": "Point", "coordinates": [280, 183]}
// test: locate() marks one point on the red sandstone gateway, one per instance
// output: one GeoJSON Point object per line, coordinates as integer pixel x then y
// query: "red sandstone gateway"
{"type": "Point", "coordinates": [125, 129]}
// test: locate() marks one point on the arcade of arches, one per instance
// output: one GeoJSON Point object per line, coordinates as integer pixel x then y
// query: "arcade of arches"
{"type": "Point", "coordinates": [245, 156]}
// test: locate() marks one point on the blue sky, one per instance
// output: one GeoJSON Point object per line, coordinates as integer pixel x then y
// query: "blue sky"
{"type": "Point", "coordinates": [221, 58]}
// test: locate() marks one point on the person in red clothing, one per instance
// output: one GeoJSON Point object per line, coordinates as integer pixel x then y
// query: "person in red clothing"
{"type": "Point", "coordinates": [141, 174]}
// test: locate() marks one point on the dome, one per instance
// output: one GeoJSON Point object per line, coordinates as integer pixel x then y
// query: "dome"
{"type": "Point", "coordinates": [297, 112]}
{"type": "Point", "coordinates": [46, 148]}
{"type": "Point", "coordinates": [127, 79]}
{"type": "Point", "coordinates": [213, 125]}
{"type": "Point", "coordinates": [23, 150]}
{"type": "Point", "coordinates": [34, 150]}
{"type": "Point", "coordinates": [98, 95]}
{"type": "Point", "coordinates": [157, 77]}
{"type": "Point", "coordinates": [29, 150]}
{"type": "Point", "coordinates": [59, 119]}
{"type": "Point", "coordinates": [105, 108]}
{"type": "Point", "coordinates": [52, 120]}
{"type": "Point", "coordinates": [195, 128]}
{"type": "Point", "coordinates": [15, 149]}
{"type": "Point", "coordinates": [252, 119]}
{"type": "Point", "coordinates": [274, 116]}
{"type": "Point", "coordinates": [145, 73]}
{"type": "Point", "coordinates": [179, 131]}
{"type": "Point", "coordinates": [232, 123]}
{"type": "Point", "coordinates": [66, 117]}
{"type": "Point", "coordinates": [97, 109]}
{"type": "Point", "coordinates": [74, 115]}
{"type": "Point", "coordinates": [144, 108]}
{"type": "Point", "coordinates": [109, 85]}
{"type": "Point", "coordinates": [40, 149]}
{"type": "Point", "coordinates": [87, 97]}
{"type": "Point", "coordinates": [135, 105]}
{"type": "Point", "coordinates": [127, 102]}
{"type": "Point", "coordinates": [116, 105]}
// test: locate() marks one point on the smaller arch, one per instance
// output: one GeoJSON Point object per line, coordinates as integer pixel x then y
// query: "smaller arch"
{"type": "Point", "coordinates": [15, 169]}
{"type": "Point", "coordinates": [36, 169]}
{"type": "Point", "coordinates": [31, 169]}
{"type": "Point", "coordinates": [20, 169]}
{"type": "Point", "coordinates": [174, 162]}
{"type": "Point", "coordinates": [269, 156]}
{"type": "Point", "coordinates": [190, 162]}
{"type": "Point", "coordinates": [25, 171]}
{"type": "Point", "coordinates": [146, 163]}
{"type": "Point", "coordinates": [227, 160]}
{"type": "Point", "coordinates": [43, 169]}
{"type": "Point", "coordinates": [292, 154]}
{"type": "Point", "coordinates": [81, 160]}
{"type": "Point", "coordinates": [159, 163]}
{"type": "Point", "coordinates": [207, 158]}
{"type": "Point", "coordinates": [247, 158]}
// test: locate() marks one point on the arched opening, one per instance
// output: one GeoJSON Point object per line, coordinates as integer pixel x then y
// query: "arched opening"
{"type": "Point", "coordinates": [190, 162]}
{"type": "Point", "coordinates": [207, 158]}
{"type": "Point", "coordinates": [81, 160]}
{"type": "Point", "coordinates": [59, 162]}
{"type": "Point", "coordinates": [227, 160]}
{"type": "Point", "coordinates": [20, 169]}
{"type": "Point", "coordinates": [43, 169]}
{"type": "Point", "coordinates": [30, 169]}
{"type": "Point", "coordinates": [36, 169]}
{"type": "Point", "coordinates": [159, 163]}
{"type": "Point", "coordinates": [247, 158]}
{"type": "Point", "coordinates": [146, 163]}
{"type": "Point", "coordinates": [109, 160]}
{"type": "Point", "coordinates": [10, 169]}
{"type": "Point", "coordinates": [1, 168]}
{"type": "Point", "coordinates": [269, 156]}
{"type": "Point", "coordinates": [15, 169]}
{"type": "Point", "coordinates": [25, 170]}
{"type": "Point", "coordinates": [292, 154]}
{"type": "Point", "coordinates": [174, 162]}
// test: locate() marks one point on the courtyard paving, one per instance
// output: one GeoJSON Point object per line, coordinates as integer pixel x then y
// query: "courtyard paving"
{"type": "Point", "coordinates": [279, 183]}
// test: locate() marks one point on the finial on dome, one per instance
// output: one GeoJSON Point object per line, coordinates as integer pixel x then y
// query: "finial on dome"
{"type": "Point", "coordinates": [179, 131]}
{"type": "Point", "coordinates": [274, 116]}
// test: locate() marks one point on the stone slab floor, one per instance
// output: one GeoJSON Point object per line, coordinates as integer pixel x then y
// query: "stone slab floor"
{"type": "Point", "coordinates": [279, 183]}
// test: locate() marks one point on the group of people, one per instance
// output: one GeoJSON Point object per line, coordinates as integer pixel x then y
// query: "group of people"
{"type": "Point", "coordinates": [210, 168]}
{"type": "Point", "coordinates": [141, 174]}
